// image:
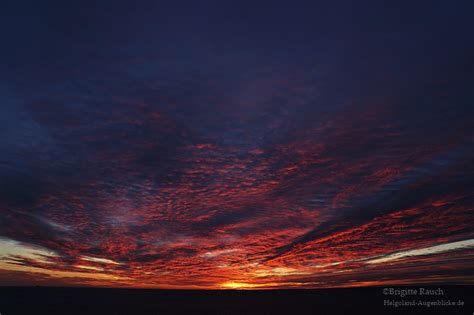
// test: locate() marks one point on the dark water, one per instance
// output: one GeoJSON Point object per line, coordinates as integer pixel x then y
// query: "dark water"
{"type": "Point", "coordinates": [39, 300]}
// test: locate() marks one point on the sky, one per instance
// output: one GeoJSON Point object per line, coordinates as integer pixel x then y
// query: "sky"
{"type": "Point", "coordinates": [235, 144]}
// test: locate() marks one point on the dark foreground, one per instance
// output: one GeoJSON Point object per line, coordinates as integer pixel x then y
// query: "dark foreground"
{"type": "Point", "coordinates": [39, 300]}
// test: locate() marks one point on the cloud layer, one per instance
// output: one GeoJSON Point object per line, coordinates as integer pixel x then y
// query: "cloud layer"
{"type": "Point", "coordinates": [207, 160]}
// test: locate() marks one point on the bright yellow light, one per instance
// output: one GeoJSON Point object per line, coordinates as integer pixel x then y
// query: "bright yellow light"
{"type": "Point", "coordinates": [239, 285]}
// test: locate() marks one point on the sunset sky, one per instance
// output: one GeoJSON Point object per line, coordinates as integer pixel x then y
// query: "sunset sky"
{"type": "Point", "coordinates": [235, 144]}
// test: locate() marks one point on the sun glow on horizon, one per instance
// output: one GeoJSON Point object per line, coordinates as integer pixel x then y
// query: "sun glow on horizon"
{"type": "Point", "coordinates": [240, 285]}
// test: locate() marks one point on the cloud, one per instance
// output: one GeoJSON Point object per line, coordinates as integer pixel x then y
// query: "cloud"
{"type": "Point", "coordinates": [239, 165]}
{"type": "Point", "coordinates": [424, 251]}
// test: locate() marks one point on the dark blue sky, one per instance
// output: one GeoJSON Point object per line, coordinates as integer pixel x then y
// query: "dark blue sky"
{"type": "Point", "coordinates": [232, 144]}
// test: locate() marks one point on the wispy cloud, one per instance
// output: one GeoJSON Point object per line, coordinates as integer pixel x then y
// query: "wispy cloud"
{"type": "Point", "coordinates": [436, 249]}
